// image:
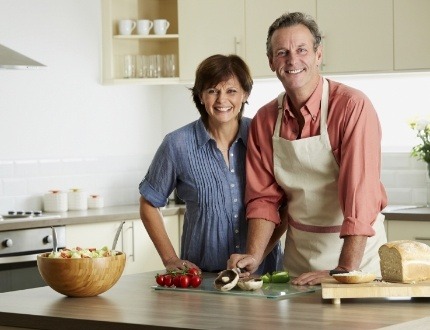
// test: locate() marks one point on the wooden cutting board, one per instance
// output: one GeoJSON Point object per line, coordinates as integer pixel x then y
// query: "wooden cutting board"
{"type": "Point", "coordinates": [331, 289]}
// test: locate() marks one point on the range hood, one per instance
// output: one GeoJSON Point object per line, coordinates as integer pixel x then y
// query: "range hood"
{"type": "Point", "coordinates": [10, 59]}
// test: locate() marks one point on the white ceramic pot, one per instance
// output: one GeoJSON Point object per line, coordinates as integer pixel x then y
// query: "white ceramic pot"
{"type": "Point", "coordinates": [77, 200]}
{"type": "Point", "coordinates": [55, 201]}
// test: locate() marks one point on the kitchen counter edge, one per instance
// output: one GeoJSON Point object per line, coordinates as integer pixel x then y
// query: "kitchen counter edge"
{"type": "Point", "coordinates": [106, 214]}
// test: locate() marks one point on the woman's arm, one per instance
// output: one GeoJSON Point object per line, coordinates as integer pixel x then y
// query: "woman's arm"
{"type": "Point", "coordinates": [153, 221]}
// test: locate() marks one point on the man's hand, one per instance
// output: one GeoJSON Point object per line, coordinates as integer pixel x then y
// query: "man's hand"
{"type": "Point", "coordinates": [312, 278]}
{"type": "Point", "coordinates": [244, 262]}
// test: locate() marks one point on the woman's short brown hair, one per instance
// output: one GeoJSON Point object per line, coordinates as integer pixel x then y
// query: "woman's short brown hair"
{"type": "Point", "coordinates": [215, 69]}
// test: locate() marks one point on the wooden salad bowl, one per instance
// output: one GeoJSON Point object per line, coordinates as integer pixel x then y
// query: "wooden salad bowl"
{"type": "Point", "coordinates": [81, 277]}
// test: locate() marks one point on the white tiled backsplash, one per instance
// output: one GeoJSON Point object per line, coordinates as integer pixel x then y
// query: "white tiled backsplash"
{"type": "Point", "coordinates": [23, 182]}
{"type": "Point", "coordinates": [405, 179]}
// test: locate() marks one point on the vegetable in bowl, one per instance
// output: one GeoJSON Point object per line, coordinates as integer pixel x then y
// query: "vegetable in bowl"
{"type": "Point", "coordinates": [78, 252]}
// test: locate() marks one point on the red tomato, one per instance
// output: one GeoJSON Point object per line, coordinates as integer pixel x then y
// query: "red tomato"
{"type": "Point", "coordinates": [193, 271]}
{"type": "Point", "coordinates": [177, 280]}
{"type": "Point", "coordinates": [184, 281]}
{"type": "Point", "coordinates": [168, 280]}
{"type": "Point", "coordinates": [159, 279]}
{"type": "Point", "coordinates": [195, 281]}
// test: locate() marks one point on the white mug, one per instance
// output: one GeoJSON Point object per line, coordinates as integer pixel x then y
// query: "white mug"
{"type": "Point", "coordinates": [161, 26]}
{"type": "Point", "coordinates": [144, 26]}
{"type": "Point", "coordinates": [126, 26]}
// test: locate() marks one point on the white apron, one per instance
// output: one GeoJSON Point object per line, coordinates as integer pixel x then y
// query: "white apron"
{"type": "Point", "coordinates": [308, 172]}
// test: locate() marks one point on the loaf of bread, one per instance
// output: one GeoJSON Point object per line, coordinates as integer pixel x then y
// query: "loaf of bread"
{"type": "Point", "coordinates": [405, 261]}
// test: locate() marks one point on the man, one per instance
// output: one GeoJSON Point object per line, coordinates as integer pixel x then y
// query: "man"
{"type": "Point", "coordinates": [313, 166]}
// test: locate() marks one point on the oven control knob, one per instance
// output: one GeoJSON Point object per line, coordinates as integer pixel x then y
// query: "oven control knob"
{"type": "Point", "coordinates": [48, 239]}
{"type": "Point", "coordinates": [7, 242]}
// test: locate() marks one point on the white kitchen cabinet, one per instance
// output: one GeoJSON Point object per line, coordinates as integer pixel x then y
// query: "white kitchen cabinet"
{"type": "Point", "coordinates": [410, 230]}
{"type": "Point", "coordinates": [411, 34]}
{"type": "Point", "coordinates": [209, 27]}
{"type": "Point", "coordinates": [259, 15]}
{"type": "Point", "coordinates": [141, 255]}
{"type": "Point", "coordinates": [115, 46]}
{"type": "Point", "coordinates": [357, 35]}
{"type": "Point", "coordinates": [94, 235]}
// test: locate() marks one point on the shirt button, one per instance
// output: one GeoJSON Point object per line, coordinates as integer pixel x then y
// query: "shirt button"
{"type": "Point", "coordinates": [236, 231]}
{"type": "Point", "coordinates": [231, 155]}
{"type": "Point", "coordinates": [232, 170]}
{"type": "Point", "coordinates": [232, 185]}
{"type": "Point", "coordinates": [237, 246]}
{"type": "Point", "coordinates": [235, 200]}
{"type": "Point", "coordinates": [235, 215]}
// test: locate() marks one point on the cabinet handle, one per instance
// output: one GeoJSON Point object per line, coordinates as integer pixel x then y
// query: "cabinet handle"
{"type": "Point", "coordinates": [132, 241]}
{"type": "Point", "coordinates": [131, 255]}
{"type": "Point", "coordinates": [237, 46]}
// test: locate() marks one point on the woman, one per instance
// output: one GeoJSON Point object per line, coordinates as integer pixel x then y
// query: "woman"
{"type": "Point", "coordinates": [205, 162]}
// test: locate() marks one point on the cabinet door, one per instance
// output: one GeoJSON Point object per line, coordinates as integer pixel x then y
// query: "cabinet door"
{"type": "Point", "coordinates": [206, 28]}
{"type": "Point", "coordinates": [259, 16]}
{"type": "Point", "coordinates": [94, 235]}
{"type": "Point", "coordinates": [141, 253]}
{"type": "Point", "coordinates": [357, 35]}
{"type": "Point", "coordinates": [411, 34]}
{"type": "Point", "coordinates": [411, 230]}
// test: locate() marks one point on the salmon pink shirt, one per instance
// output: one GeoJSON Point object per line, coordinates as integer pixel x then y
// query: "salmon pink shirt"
{"type": "Point", "coordinates": [355, 136]}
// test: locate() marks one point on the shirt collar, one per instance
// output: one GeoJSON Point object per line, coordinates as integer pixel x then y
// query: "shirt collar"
{"type": "Point", "coordinates": [313, 103]}
{"type": "Point", "coordinates": [203, 135]}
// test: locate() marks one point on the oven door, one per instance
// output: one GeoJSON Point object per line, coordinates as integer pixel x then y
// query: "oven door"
{"type": "Point", "coordinates": [18, 256]}
{"type": "Point", "coordinates": [19, 273]}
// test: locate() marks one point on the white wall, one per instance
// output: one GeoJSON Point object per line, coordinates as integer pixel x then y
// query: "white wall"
{"type": "Point", "coordinates": [61, 129]}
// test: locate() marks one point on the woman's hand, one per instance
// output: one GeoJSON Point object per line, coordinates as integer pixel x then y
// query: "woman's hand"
{"type": "Point", "coordinates": [174, 264]}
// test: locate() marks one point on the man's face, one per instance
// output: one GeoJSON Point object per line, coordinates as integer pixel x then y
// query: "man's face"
{"type": "Point", "coordinates": [293, 58]}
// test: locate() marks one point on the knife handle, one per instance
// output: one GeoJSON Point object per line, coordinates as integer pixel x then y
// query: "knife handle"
{"type": "Point", "coordinates": [335, 271]}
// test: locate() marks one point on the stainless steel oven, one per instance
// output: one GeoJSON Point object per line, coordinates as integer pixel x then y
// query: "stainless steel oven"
{"type": "Point", "coordinates": [18, 256]}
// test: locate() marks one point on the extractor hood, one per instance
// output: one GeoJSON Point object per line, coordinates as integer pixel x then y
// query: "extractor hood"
{"type": "Point", "coordinates": [10, 59]}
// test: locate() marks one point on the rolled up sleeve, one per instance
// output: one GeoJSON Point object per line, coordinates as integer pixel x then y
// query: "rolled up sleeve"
{"type": "Point", "coordinates": [263, 196]}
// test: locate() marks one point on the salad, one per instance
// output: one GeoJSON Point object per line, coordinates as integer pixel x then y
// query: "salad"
{"type": "Point", "coordinates": [79, 252]}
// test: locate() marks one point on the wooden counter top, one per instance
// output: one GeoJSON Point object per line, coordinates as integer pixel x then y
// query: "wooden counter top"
{"type": "Point", "coordinates": [106, 214]}
{"type": "Point", "coordinates": [133, 304]}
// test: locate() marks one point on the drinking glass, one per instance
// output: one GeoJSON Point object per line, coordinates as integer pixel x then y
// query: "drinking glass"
{"type": "Point", "coordinates": [169, 65]}
{"type": "Point", "coordinates": [129, 66]}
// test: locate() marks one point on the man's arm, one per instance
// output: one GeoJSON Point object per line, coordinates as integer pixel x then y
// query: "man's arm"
{"type": "Point", "coordinates": [350, 258]}
{"type": "Point", "coordinates": [259, 233]}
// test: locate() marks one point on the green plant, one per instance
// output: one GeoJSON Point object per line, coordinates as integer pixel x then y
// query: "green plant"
{"type": "Point", "coordinates": [422, 150]}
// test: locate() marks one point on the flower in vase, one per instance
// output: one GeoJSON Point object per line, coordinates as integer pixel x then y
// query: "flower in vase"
{"type": "Point", "coordinates": [422, 127]}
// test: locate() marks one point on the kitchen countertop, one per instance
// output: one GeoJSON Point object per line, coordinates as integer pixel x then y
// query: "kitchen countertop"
{"type": "Point", "coordinates": [133, 304]}
{"type": "Point", "coordinates": [106, 214]}
{"type": "Point", "coordinates": [407, 212]}
{"type": "Point", "coordinates": [129, 212]}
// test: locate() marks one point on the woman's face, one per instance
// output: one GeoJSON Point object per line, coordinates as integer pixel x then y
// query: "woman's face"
{"type": "Point", "coordinates": [224, 101]}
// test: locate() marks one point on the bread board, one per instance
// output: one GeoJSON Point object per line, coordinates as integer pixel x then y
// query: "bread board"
{"type": "Point", "coordinates": [331, 289]}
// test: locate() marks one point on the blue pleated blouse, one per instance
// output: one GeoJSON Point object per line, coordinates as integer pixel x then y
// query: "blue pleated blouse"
{"type": "Point", "coordinates": [214, 221]}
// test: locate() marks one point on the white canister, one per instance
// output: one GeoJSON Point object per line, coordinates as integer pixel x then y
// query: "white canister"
{"type": "Point", "coordinates": [95, 202]}
{"type": "Point", "coordinates": [77, 200]}
{"type": "Point", "coordinates": [55, 201]}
